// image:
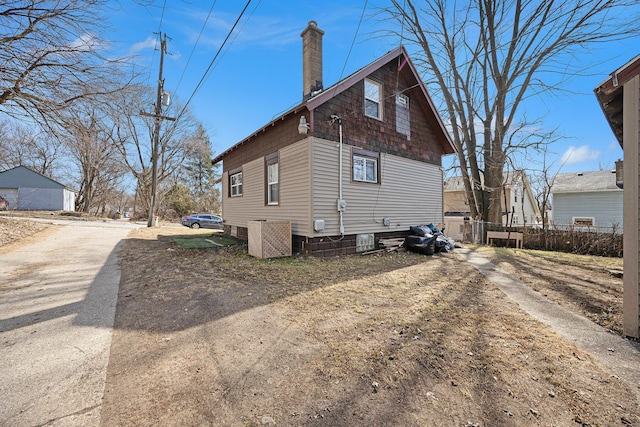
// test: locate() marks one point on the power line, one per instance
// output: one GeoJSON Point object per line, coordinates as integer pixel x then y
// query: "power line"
{"type": "Point", "coordinates": [353, 41]}
{"type": "Point", "coordinates": [204, 25]}
{"type": "Point", "coordinates": [237, 34]}
{"type": "Point", "coordinates": [204, 76]}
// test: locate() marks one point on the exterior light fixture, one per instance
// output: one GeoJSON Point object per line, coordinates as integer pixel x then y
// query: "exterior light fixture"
{"type": "Point", "coordinates": [303, 127]}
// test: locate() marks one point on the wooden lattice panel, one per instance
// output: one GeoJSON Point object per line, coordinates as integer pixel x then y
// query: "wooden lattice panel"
{"type": "Point", "coordinates": [269, 239]}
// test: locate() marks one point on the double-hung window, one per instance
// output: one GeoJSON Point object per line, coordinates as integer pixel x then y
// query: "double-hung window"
{"type": "Point", "coordinates": [373, 99]}
{"type": "Point", "coordinates": [273, 179]}
{"type": "Point", "coordinates": [365, 166]}
{"type": "Point", "coordinates": [235, 183]}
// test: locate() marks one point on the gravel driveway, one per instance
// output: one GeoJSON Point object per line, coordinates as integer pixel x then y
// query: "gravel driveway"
{"type": "Point", "coordinates": [57, 305]}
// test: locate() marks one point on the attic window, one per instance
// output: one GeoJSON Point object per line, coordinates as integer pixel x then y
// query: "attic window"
{"type": "Point", "coordinates": [372, 99]}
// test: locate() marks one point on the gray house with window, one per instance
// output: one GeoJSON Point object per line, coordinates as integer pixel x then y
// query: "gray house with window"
{"type": "Point", "coordinates": [29, 190]}
{"type": "Point", "coordinates": [352, 163]}
{"type": "Point", "coordinates": [587, 199]}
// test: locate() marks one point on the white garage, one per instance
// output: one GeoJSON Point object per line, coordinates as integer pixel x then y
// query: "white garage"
{"type": "Point", "coordinates": [29, 190]}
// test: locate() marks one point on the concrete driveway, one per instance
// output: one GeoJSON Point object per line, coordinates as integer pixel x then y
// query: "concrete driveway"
{"type": "Point", "coordinates": [57, 306]}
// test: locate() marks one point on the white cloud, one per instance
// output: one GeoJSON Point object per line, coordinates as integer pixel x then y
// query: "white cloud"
{"type": "Point", "coordinates": [149, 43]}
{"type": "Point", "coordinates": [87, 43]}
{"type": "Point", "coordinates": [580, 154]}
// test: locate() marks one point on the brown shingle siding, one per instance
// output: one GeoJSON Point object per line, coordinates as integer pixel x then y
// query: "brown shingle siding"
{"type": "Point", "coordinates": [381, 135]}
{"type": "Point", "coordinates": [272, 139]}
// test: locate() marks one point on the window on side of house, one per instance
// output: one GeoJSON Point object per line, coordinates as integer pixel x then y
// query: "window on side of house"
{"type": "Point", "coordinates": [584, 221]}
{"type": "Point", "coordinates": [235, 183]}
{"type": "Point", "coordinates": [372, 99]}
{"type": "Point", "coordinates": [273, 179]}
{"type": "Point", "coordinates": [365, 166]}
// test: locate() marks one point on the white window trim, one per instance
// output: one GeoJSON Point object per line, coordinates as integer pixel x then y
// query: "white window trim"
{"type": "Point", "coordinates": [237, 186]}
{"type": "Point", "coordinates": [366, 159]}
{"type": "Point", "coordinates": [275, 182]}
{"type": "Point", "coordinates": [377, 101]}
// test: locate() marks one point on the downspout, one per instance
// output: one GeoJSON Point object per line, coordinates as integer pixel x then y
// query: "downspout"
{"type": "Point", "coordinates": [341, 203]}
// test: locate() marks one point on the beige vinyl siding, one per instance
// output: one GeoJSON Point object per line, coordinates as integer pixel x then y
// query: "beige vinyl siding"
{"type": "Point", "coordinates": [294, 190]}
{"type": "Point", "coordinates": [410, 193]}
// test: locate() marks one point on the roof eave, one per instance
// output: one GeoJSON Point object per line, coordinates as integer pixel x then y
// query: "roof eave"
{"type": "Point", "coordinates": [293, 111]}
{"type": "Point", "coordinates": [609, 95]}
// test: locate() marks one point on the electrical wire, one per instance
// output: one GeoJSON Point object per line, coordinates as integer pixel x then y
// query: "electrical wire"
{"type": "Point", "coordinates": [205, 75]}
{"type": "Point", "coordinates": [353, 41]}
{"type": "Point", "coordinates": [237, 34]}
{"type": "Point", "coordinates": [153, 57]}
{"type": "Point", "coordinates": [204, 25]}
{"type": "Point", "coordinates": [404, 5]}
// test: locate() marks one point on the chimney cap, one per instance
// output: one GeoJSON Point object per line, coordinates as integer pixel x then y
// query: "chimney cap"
{"type": "Point", "coordinates": [312, 25]}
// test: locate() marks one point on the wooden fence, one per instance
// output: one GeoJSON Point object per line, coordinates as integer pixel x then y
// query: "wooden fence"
{"type": "Point", "coordinates": [579, 240]}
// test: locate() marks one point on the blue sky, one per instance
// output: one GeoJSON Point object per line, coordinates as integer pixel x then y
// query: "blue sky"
{"type": "Point", "coordinates": [259, 73]}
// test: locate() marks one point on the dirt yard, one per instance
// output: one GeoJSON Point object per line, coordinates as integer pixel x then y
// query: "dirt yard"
{"type": "Point", "coordinates": [215, 337]}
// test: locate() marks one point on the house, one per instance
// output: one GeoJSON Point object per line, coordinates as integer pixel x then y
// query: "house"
{"type": "Point", "coordinates": [350, 164]}
{"type": "Point", "coordinates": [29, 190]}
{"type": "Point", "coordinates": [519, 207]}
{"type": "Point", "coordinates": [619, 98]}
{"type": "Point", "coordinates": [587, 199]}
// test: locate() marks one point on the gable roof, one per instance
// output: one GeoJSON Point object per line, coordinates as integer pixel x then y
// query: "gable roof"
{"type": "Point", "coordinates": [22, 176]}
{"type": "Point", "coordinates": [609, 95]}
{"type": "Point", "coordinates": [583, 182]}
{"type": "Point", "coordinates": [319, 99]}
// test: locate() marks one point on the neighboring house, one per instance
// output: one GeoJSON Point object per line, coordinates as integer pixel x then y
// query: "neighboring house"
{"type": "Point", "coordinates": [519, 207]}
{"type": "Point", "coordinates": [350, 164]}
{"type": "Point", "coordinates": [587, 199]}
{"type": "Point", "coordinates": [29, 190]}
{"type": "Point", "coordinates": [619, 98]}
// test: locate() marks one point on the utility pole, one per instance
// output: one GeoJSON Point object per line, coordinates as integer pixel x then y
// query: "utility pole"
{"type": "Point", "coordinates": [156, 133]}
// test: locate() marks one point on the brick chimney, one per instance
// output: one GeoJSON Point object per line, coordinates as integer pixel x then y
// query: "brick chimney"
{"type": "Point", "coordinates": [311, 59]}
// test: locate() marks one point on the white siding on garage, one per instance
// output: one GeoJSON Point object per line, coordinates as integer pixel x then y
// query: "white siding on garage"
{"type": "Point", "coordinates": [45, 199]}
{"type": "Point", "coordinates": [294, 183]}
{"type": "Point", "coordinates": [410, 193]}
{"type": "Point", "coordinates": [11, 194]}
{"type": "Point", "coordinates": [604, 206]}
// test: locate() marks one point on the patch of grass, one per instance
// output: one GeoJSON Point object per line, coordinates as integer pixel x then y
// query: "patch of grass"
{"type": "Point", "coordinates": [587, 261]}
{"type": "Point", "coordinates": [205, 241]}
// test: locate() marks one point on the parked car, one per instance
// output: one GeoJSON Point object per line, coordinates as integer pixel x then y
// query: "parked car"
{"type": "Point", "coordinates": [202, 220]}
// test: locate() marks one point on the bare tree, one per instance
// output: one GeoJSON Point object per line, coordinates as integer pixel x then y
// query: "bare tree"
{"type": "Point", "coordinates": [132, 135]}
{"type": "Point", "coordinates": [50, 57]}
{"type": "Point", "coordinates": [31, 147]}
{"type": "Point", "coordinates": [86, 133]}
{"type": "Point", "coordinates": [486, 57]}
